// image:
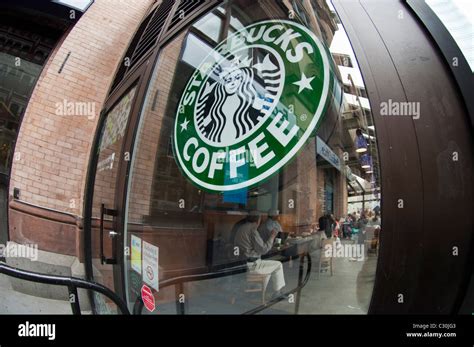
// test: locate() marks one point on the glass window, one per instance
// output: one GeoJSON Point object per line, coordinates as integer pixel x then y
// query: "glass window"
{"type": "Point", "coordinates": [273, 168]}
{"type": "Point", "coordinates": [210, 25]}
{"type": "Point", "coordinates": [196, 51]}
{"type": "Point", "coordinates": [108, 161]}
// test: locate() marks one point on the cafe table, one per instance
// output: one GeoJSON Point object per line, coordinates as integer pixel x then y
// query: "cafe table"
{"type": "Point", "coordinates": [302, 243]}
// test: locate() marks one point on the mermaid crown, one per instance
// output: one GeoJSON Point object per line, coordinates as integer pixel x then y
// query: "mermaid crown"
{"type": "Point", "coordinates": [235, 64]}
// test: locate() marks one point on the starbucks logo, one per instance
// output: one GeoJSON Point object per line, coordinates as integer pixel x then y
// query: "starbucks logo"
{"type": "Point", "coordinates": [238, 97]}
{"type": "Point", "coordinates": [251, 105]}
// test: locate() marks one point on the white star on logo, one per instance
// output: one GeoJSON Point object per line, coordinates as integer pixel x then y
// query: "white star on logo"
{"type": "Point", "coordinates": [304, 83]}
{"type": "Point", "coordinates": [184, 125]}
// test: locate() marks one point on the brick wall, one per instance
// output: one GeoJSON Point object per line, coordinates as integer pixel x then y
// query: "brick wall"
{"type": "Point", "coordinates": [52, 150]}
{"type": "Point", "coordinates": [307, 184]}
{"type": "Point", "coordinates": [321, 202]}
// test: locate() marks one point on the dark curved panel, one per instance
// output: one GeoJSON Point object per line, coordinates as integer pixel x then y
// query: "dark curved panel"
{"type": "Point", "coordinates": [401, 63]}
{"type": "Point", "coordinates": [462, 71]}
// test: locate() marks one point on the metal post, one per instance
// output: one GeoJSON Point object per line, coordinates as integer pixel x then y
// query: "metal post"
{"type": "Point", "coordinates": [180, 306]}
{"type": "Point", "coordinates": [74, 300]}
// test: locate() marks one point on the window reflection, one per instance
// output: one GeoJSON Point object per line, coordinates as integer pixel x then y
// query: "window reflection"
{"type": "Point", "coordinates": [210, 25]}
{"type": "Point", "coordinates": [325, 203]}
{"type": "Point", "coordinates": [15, 88]}
{"type": "Point", "coordinates": [195, 51]}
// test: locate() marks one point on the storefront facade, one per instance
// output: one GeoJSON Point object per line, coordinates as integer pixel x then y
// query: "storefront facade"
{"type": "Point", "coordinates": [29, 34]}
{"type": "Point", "coordinates": [286, 109]}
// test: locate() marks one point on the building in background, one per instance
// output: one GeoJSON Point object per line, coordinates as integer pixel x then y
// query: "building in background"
{"type": "Point", "coordinates": [54, 55]}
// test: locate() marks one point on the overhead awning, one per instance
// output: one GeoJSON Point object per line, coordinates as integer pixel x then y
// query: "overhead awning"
{"type": "Point", "coordinates": [327, 153]}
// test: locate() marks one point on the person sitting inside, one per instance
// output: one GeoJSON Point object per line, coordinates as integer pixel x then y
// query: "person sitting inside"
{"type": "Point", "coordinates": [319, 236]}
{"type": "Point", "coordinates": [271, 224]}
{"type": "Point", "coordinates": [250, 243]}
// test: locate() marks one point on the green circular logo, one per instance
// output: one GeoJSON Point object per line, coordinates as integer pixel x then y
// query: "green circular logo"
{"type": "Point", "coordinates": [251, 105]}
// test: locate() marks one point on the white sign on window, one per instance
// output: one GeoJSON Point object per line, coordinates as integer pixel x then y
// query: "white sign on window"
{"type": "Point", "coordinates": [150, 265]}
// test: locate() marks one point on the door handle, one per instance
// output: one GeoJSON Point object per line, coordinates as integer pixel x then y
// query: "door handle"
{"type": "Point", "coordinates": [103, 259]}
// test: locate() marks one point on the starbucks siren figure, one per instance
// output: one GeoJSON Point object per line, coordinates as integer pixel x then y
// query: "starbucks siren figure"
{"type": "Point", "coordinates": [231, 107]}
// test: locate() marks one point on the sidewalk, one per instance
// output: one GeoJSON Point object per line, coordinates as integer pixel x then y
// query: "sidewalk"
{"type": "Point", "coordinates": [13, 302]}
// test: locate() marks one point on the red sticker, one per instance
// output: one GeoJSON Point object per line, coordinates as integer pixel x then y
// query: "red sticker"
{"type": "Point", "coordinates": [148, 298]}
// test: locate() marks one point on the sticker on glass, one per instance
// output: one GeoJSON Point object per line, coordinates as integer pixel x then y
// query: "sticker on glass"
{"type": "Point", "coordinates": [251, 105]}
{"type": "Point", "coordinates": [150, 273]}
{"type": "Point", "coordinates": [136, 254]}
